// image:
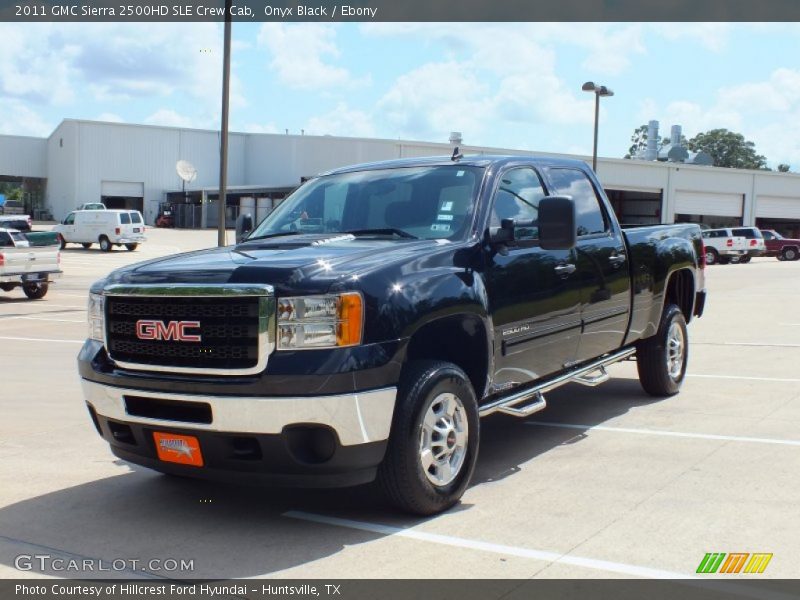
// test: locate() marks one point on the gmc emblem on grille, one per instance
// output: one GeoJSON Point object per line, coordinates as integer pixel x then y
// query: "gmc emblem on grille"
{"type": "Point", "coordinates": [174, 330]}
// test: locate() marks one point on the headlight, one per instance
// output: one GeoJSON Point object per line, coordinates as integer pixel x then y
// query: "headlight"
{"type": "Point", "coordinates": [96, 315]}
{"type": "Point", "coordinates": [320, 321]}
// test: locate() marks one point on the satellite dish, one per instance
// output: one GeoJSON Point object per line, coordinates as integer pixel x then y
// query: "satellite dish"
{"type": "Point", "coordinates": [186, 171]}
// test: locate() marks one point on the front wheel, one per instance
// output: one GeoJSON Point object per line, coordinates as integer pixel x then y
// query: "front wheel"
{"type": "Point", "coordinates": [433, 446]}
{"type": "Point", "coordinates": [35, 291]}
{"type": "Point", "coordinates": [661, 359]}
{"type": "Point", "coordinates": [62, 243]}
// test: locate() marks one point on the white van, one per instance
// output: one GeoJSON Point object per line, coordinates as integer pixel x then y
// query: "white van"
{"type": "Point", "coordinates": [108, 228]}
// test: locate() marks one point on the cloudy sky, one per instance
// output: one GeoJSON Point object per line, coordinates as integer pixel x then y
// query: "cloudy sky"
{"type": "Point", "coordinates": [505, 85]}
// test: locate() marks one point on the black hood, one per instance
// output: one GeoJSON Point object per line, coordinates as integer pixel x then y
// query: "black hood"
{"type": "Point", "coordinates": [308, 263]}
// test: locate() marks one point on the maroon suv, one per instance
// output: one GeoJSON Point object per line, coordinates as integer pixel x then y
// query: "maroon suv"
{"type": "Point", "coordinates": [777, 245]}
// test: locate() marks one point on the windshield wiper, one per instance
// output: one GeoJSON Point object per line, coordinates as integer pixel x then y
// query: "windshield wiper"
{"type": "Point", "coordinates": [271, 235]}
{"type": "Point", "coordinates": [383, 231]}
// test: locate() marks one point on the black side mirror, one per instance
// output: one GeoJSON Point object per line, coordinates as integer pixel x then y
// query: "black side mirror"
{"type": "Point", "coordinates": [503, 234]}
{"type": "Point", "coordinates": [557, 223]}
{"type": "Point", "coordinates": [244, 225]}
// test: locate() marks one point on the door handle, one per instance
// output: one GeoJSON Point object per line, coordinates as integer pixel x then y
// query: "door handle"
{"type": "Point", "coordinates": [565, 269]}
{"type": "Point", "coordinates": [617, 259]}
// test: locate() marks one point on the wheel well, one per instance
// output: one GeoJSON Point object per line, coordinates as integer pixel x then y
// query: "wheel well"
{"type": "Point", "coordinates": [461, 340]}
{"type": "Point", "coordinates": [680, 291]}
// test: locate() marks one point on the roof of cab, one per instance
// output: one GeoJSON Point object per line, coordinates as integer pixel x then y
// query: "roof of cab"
{"type": "Point", "coordinates": [477, 160]}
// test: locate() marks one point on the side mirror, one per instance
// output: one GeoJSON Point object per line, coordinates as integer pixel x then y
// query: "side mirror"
{"type": "Point", "coordinates": [244, 225]}
{"type": "Point", "coordinates": [557, 223]}
{"type": "Point", "coordinates": [503, 234]}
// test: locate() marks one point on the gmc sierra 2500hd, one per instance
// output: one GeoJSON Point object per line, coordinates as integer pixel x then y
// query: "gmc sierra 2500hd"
{"type": "Point", "coordinates": [364, 327]}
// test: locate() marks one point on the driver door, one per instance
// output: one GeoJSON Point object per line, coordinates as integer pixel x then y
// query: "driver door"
{"type": "Point", "coordinates": [534, 294]}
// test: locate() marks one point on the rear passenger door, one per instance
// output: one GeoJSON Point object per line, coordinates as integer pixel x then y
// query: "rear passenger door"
{"type": "Point", "coordinates": [533, 293]}
{"type": "Point", "coordinates": [603, 271]}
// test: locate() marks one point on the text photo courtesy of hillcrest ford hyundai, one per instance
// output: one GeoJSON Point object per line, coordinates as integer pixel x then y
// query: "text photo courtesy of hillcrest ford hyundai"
{"type": "Point", "coordinates": [428, 299]}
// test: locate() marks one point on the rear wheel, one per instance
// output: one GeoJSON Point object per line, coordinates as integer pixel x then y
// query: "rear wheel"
{"type": "Point", "coordinates": [745, 259]}
{"type": "Point", "coordinates": [661, 359]}
{"type": "Point", "coordinates": [35, 291]}
{"type": "Point", "coordinates": [433, 445]}
{"type": "Point", "coordinates": [790, 254]}
{"type": "Point", "coordinates": [105, 244]}
{"type": "Point", "coordinates": [712, 256]}
{"type": "Point", "coordinates": [131, 247]}
{"type": "Point", "coordinates": [86, 246]}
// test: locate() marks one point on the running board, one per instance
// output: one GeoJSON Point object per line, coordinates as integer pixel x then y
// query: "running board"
{"type": "Point", "coordinates": [530, 400]}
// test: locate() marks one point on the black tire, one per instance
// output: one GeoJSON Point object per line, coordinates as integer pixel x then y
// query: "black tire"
{"type": "Point", "coordinates": [744, 259]}
{"type": "Point", "coordinates": [790, 253]}
{"type": "Point", "coordinates": [86, 246]}
{"type": "Point", "coordinates": [62, 243]}
{"type": "Point", "coordinates": [712, 256]}
{"type": "Point", "coordinates": [35, 291]}
{"type": "Point", "coordinates": [402, 477]}
{"type": "Point", "coordinates": [724, 260]}
{"type": "Point", "coordinates": [131, 247]}
{"type": "Point", "coordinates": [652, 356]}
{"type": "Point", "coordinates": [105, 244]}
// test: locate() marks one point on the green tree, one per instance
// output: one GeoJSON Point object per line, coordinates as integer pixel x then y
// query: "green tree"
{"type": "Point", "coordinates": [728, 149]}
{"type": "Point", "coordinates": [639, 139]}
{"type": "Point", "coordinates": [783, 168]}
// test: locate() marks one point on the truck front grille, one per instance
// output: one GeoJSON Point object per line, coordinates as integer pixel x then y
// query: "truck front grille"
{"type": "Point", "coordinates": [219, 333]}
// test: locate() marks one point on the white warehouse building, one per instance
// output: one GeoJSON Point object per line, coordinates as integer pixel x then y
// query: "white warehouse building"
{"type": "Point", "coordinates": [133, 166]}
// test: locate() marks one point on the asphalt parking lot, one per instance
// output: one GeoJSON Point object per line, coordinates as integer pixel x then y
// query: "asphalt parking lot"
{"type": "Point", "coordinates": [607, 482]}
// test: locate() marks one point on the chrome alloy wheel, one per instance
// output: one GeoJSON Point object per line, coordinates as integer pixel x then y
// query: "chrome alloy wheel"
{"type": "Point", "coordinates": [443, 439]}
{"type": "Point", "coordinates": [676, 348]}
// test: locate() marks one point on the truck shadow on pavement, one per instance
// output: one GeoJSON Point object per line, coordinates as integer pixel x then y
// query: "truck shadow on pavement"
{"type": "Point", "coordinates": [238, 531]}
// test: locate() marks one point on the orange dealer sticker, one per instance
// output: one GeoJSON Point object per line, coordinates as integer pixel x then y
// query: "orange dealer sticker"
{"type": "Point", "coordinates": [181, 449]}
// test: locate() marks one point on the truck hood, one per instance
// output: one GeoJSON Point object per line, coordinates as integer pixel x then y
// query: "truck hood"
{"type": "Point", "coordinates": [308, 263]}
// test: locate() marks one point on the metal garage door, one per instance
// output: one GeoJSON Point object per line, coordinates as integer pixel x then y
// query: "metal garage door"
{"type": "Point", "coordinates": [123, 189]}
{"type": "Point", "coordinates": [776, 207]}
{"type": "Point", "coordinates": [709, 203]}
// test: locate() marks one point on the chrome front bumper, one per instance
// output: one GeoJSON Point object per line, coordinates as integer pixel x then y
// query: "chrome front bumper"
{"type": "Point", "coordinates": [357, 418]}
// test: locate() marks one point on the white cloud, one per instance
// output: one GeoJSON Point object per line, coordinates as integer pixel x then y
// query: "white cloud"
{"type": "Point", "coordinates": [711, 36]}
{"type": "Point", "coordinates": [20, 119]}
{"type": "Point", "coordinates": [109, 117]}
{"type": "Point", "coordinates": [169, 118]}
{"type": "Point", "coordinates": [343, 121]}
{"type": "Point", "coordinates": [298, 54]}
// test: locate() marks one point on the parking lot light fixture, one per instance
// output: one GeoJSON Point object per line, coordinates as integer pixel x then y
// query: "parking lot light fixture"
{"type": "Point", "coordinates": [598, 90]}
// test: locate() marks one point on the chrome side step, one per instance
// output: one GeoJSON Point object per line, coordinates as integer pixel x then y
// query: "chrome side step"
{"type": "Point", "coordinates": [534, 395]}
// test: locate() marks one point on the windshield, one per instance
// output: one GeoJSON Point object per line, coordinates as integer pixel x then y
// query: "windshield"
{"type": "Point", "coordinates": [420, 202]}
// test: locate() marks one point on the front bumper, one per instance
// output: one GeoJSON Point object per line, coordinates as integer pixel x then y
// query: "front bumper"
{"type": "Point", "coordinates": [317, 441]}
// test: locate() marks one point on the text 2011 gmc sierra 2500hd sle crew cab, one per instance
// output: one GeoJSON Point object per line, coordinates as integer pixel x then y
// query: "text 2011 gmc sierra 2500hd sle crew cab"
{"type": "Point", "coordinates": [364, 327]}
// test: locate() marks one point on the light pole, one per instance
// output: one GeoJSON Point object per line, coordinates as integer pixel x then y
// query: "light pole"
{"type": "Point", "coordinates": [598, 90]}
{"type": "Point", "coordinates": [223, 150]}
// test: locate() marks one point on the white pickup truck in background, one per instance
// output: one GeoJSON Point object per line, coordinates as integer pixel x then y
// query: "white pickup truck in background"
{"type": "Point", "coordinates": [30, 267]}
{"type": "Point", "coordinates": [722, 247]}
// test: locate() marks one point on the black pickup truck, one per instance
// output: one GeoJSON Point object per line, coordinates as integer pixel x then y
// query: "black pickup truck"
{"type": "Point", "coordinates": [363, 329]}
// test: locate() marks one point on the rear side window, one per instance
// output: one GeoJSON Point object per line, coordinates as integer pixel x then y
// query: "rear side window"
{"type": "Point", "coordinates": [589, 216]}
{"type": "Point", "coordinates": [136, 217]}
{"type": "Point", "coordinates": [749, 232]}
{"type": "Point", "coordinates": [5, 240]}
{"type": "Point", "coordinates": [125, 218]}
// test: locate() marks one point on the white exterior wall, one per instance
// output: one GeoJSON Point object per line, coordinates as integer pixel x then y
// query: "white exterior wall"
{"type": "Point", "coordinates": [22, 156]}
{"type": "Point", "coordinates": [80, 155]}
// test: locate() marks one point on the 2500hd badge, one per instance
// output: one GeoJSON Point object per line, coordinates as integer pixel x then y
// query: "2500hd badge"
{"type": "Point", "coordinates": [364, 328]}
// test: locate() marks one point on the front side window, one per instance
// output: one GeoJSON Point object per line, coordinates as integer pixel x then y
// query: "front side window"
{"type": "Point", "coordinates": [435, 202]}
{"type": "Point", "coordinates": [70, 219]}
{"type": "Point", "coordinates": [5, 240]}
{"type": "Point", "coordinates": [517, 197]}
{"type": "Point", "coordinates": [589, 216]}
